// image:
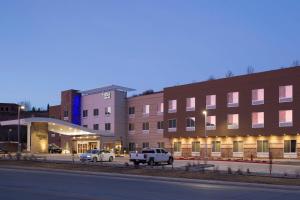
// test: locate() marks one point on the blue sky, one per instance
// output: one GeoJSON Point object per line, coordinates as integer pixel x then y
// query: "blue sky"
{"type": "Point", "coordinates": [49, 46]}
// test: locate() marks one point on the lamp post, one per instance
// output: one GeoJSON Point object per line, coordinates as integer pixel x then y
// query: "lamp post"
{"type": "Point", "coordinates": [205, 135]}
{"type": "Point", "coordinates": [20, 107]}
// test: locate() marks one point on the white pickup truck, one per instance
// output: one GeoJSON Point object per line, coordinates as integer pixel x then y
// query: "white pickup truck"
{"type": "Point", "coordinates": [151, 156]}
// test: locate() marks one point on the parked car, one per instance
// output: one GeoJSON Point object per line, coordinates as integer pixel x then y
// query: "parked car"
{"type": "Point", "coordinates": [152, 156]}
{"type": "Point", "coordinates": [97, 155]}
{"type": "Point", "coordinates": [53, 148]}
{"type": "Point", "coordinates": [3, 151]}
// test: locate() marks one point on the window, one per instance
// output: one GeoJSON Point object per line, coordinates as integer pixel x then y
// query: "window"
{"type": "Point", "coordinates": [262, 146]}
{"type": "Point", "coordinates": [233, 99]}
{"type": "Point", "coordinates": [238, 146]}
{"type": "Point", "coordinates": [160, 108]}
{"type": "Point", "coordinates": [85, 113]}
{"type": "Point", "coordinates": [131, 127]}
{"type": "Point", "coordinates": [290, 146]}
{"type": "Point", "coordinates": [146, 126]}
{"type": "Point", "coordinates": [190, 124]}
{"type": "Point", "coordinates": [96, 112]}
{"type": "Point", "coordinates": [107, 110]}
{"type": "Point", "coordinates": [66, 113]}
{"type": "Point", "coordinates": [146, 109]}
{"type": "Point", "coordinates": [177, 146]}
{"type": "Point", "coordinates": [145, 145]}
{"type": "Point", "coordinates": [131, 110]}
{"type": "Point", "coordinates": [285, 118]}
{"type": "Point", "coordinates": [233, 121]}
{"type": "Point", "coordinates": [172, 106]}
{"type": "Point", "coordinates": [160, 125]}
{"type": "Point", "coordinates": [196, 147]}
{"type": "Point", "coordinates": [285, 93]}
{"type": "Point", "coordinates": [131, 146]}
{"type": "Point", "coordinates": [107, 126]}
{"type": "Point", "coordinates": [85, 126]}
{"type": "Point", "coordinates": [211, 102]}
{"type": "Point", "coordinates": [258, 96]}
{"type": "Point", "coordinates": [190, 104]}
{"type": "Point", "coordinates": [211, 123]}
{"type": "Point", "coordinates": [258, 120]}
{"type": "Point", "coordinates": [216, 146]}
{"type": "Point", "coordinates": [161, 145]}
{"type": "Point", "coordinates": [96, 126]}
{"type": "Point", "coordinates": [172, 125]}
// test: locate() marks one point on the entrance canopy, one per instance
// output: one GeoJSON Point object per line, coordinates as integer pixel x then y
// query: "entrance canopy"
{"type": "Point", "coordinates": [58, 126]}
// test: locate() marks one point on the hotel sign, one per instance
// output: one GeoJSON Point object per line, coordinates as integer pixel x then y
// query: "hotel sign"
{"type": "Point", "coordinates": [106, 95]}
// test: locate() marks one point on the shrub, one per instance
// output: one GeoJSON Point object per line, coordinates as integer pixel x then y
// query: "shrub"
{"type": "Point", "coordinates": [229, 170]}
{"type": "Point", "coordinates": [248, 171]}
{"type": "Point", "coordinates": [239, 172]}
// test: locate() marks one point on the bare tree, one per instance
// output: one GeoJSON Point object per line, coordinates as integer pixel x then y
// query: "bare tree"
{"type": "Point", "coordinates": [211, 77]}
{"type": "Point", "coordinates": [229, 74]}
{"type": "Point", "coordinates": [250, 69]}
{"type": "Point", "coordinates": [295, 63]}
{"type": "Point", "coordinates": [27, 105]}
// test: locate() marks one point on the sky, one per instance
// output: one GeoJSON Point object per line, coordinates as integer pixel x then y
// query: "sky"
{"type": "Point", "coordinates": [53, 45]}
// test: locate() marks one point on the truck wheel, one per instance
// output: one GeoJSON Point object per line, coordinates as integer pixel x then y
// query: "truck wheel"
{"type": "Point", "coordinates": [170, 161]}
{"type": "Point", "coordinates": [151, 162]}
{"type": "Point", "coordinates": [110, 159]}
{"type": "Point", "coordinates": [94, 159]}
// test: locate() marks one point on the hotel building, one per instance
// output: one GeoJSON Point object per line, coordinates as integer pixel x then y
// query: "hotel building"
{"type": "Point", "coordinates": [246, 116]}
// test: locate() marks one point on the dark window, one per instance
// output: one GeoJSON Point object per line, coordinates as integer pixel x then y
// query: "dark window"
{"type": "Point", "coordinates": [161, 145]}
{"type": "Point", "coordinates": [290, 146]}
{"type": "Point", "coordinates": [96, 126]}
{"type": "Point", "coordinates": [146, 145]}
{"type": "Point", "coordinates": [172, 123]}
{"type": "Point", "coordinates": [107, 126]}
{"type": "Point", "coordinates": [160, 125]}
{"type": "Point", "coordinates": [85, 113]}
{"type": "Point", "coordinates": [85, 126]}
{"type": "Point", "coordinates": [131, 127]}
{"type": "Point", "coordinates": [66, 113]}
{"type": "Point", "coordinates": [131, 146]}
{"type": "Point", "coordinates": [131, 110]}
{"type": "Point", "coordinates": [96, 112]}
{"type": "Point", "coordinates": [190, 122]}
{"type": "Point", "coordinates": [145, 126]}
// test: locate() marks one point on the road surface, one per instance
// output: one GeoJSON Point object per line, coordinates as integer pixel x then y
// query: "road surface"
{"type": "Point", "coordinates": [48, 185]}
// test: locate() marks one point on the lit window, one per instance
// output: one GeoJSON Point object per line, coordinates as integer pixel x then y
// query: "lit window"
{"type": "Point", "coordinates": [160, 108]}
{"type": "Point", "coordinates": [258, 96]}
{"type": "Point", "coordinates": [107, 110]}
{"type": "Point", "coordinates": [190, 104]}
{"type": "Point", "coordinates": [195, 147]}
{"type": "Point", "coordinates": [211, 102]}
{"type": "Point", "coordinates": [211, 123]}
{"type": "Point", "coordinates": [262, 146]}
{"type": "Point", "coordinates": [172, 106]}
{"type": "Point", "coordinates": [190, 124]}
{"type": "Point", "coordinates": [172, 125]}
{"type": "Point", "coordinates": [177, 146]}
{"type": "Point", "coordinates": [238, 146]}
{"type": "Point", "coordinates": [233, 121]}
{"type": "Point", "coordinates": [216, 146]}
{"type": "Point", "coordinates": [233, 99]}
{"type": "Point", "coordinates": [285, 118]}
{"type": "Point", "coordinates": [285, 93]}
{"type": "Point", "coordinates": [290, 146]}
{"type": "Point", "coordinates": [146, 109]}
{"type": "Point", "coordinates": [258, 120]}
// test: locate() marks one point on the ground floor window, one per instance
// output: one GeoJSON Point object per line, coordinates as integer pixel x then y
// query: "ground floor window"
{"type": "Point", "coordinates": [195, 146]}
{"type": "Point", "coordinates": [290, 146]}
{"type": "Point", "coordinates": [262, 146]}
{"type": "Point", "coordinates": [216, 146]}
{"type": "Point", "coordinates": [131, 146]}
{"type": "Point", "coordinates": [238, 146]}
{"type": "Point", "coordinates": [161, 145]}
{"type": "Point", "coordinates": [177, 146]}
{"type": "Point", "coordinates": [82, 148]}
{"type": "Point", "coordinates": [145, 145]}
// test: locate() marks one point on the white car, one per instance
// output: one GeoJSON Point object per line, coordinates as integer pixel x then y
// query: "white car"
{"type": "Point", "coordinates": [97, 155]}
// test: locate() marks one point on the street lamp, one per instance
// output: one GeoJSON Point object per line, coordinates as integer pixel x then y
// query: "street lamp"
{"type": "Point", "coordinates": [205, 135]}
{"type": "Point", "coordinates": [20, 107]}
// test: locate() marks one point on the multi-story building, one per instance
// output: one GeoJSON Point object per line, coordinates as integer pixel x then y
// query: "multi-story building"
{"type": "Point", "coordinates": [253, 115]}
{"type": "Point", "coordinates": [145, 122]}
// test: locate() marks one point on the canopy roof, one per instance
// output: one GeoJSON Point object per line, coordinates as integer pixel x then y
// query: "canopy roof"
{"type": "Point", "coordinates": [58, 126]}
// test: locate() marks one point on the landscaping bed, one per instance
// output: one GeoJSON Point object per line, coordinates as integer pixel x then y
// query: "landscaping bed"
{"type": "Point", "coordinates": [158, 171]}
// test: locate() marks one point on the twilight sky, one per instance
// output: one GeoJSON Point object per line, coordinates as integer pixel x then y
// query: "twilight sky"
{"type": "Point", "coordinates": [52, 45]}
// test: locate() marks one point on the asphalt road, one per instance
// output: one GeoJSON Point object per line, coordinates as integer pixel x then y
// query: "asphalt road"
{"type": "Point", "coordinates": [46, 185]}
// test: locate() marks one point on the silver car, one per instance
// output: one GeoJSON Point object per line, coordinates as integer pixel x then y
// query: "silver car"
{"type": "Point", "coordinates": [97, 155]}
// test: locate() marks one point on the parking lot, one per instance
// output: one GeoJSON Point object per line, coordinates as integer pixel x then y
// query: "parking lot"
{"type": "Point", "coordinates": [286, 167]}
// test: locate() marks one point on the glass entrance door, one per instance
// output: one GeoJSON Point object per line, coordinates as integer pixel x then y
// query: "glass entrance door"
{"type": "Point", "coordinates": [93, 145]}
